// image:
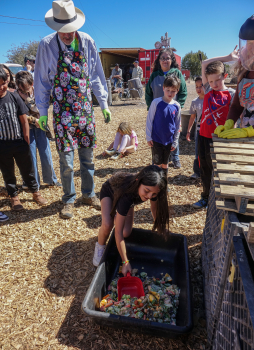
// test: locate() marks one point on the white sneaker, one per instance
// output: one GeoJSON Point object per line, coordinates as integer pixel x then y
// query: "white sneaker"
{"type": "Point", "coordinates": [194, 176]}
{"type": "Point", "coordinates": [98, 252]}
{"type": "Point", "coordinates": [116, 156]}
{"type": "Point", "coordinates": [110, 152]}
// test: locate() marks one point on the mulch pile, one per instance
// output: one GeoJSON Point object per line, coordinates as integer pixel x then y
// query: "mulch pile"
{"type": "Point", "coordinates": [46, 262]}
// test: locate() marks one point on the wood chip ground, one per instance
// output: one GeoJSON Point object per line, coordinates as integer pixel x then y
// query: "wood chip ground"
{"type": "Point", "coordinates": [46, 262]}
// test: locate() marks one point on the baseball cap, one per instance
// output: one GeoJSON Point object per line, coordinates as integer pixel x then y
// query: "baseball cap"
{"type": "Point", "coordinates": [136, 61]}
{"type": "Point", "coordinates": [29, 58]}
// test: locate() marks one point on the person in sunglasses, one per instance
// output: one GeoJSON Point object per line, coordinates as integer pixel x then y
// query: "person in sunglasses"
{"type": "Point", "coordinates": [29, 64]}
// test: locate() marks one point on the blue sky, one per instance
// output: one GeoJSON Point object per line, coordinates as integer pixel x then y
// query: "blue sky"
{"type": "Point", "coordinates": [210, 26]}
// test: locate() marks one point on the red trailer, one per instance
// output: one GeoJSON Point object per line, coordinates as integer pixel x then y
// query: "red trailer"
{"type": "Point", "coordinates": [146, 59]}
{"type": "Point", "coordinates": [187, 73]}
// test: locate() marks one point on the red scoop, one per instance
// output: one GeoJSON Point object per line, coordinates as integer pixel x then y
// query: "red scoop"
{"type": "Point", "coordinates": [129, 285]}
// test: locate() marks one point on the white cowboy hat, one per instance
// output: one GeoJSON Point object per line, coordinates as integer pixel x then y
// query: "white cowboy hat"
{"type": "Point", "coordinates": [64, 17]}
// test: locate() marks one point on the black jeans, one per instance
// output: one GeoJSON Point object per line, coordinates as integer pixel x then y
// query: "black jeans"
{"type": "Point", "coordinates": [206, 166]}
{"type": "Point", "coordinates": [20, 151]}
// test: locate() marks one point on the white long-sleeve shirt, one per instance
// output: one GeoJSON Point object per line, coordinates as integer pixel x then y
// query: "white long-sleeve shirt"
{"type": "Point", "coordinates": [46, 69]}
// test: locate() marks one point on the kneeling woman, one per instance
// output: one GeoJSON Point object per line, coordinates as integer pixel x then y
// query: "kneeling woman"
{"type": "Point", "coordinates": [118, 196]}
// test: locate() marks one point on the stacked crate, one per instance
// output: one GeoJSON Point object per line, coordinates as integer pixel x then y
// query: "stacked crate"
{"type": "Point", "coordinates": [230, 318]}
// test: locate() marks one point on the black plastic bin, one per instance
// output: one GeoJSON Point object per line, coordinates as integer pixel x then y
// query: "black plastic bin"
{"type": "Point", "coordinates": [150, 253]}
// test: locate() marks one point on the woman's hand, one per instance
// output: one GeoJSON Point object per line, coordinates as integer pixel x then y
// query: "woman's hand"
{"type": "Point", "coordinates": [234, 55]}
{"type": "Point", "coordinates": [126, 268]}
{"type": "Point", "coordinates": [150, 143]}
{"type": "Point", "coordinates": [172, 149]}
{"type": "Point", "coordinates": [123, 150]}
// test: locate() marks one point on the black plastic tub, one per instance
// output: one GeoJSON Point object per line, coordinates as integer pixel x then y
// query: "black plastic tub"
{"type": "Point", "coordinates": [150, 253]}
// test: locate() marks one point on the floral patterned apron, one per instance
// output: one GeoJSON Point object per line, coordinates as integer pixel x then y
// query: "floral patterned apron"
{"type": "Point", "coordinates": [246, 98]}
{"type": "Point", "coordinates": [73, 114]}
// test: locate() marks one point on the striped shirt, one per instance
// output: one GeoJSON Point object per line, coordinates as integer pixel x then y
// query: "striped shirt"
{"type": "Point", "coordinates": [11, 106]}
{"type": "Point", "coordinates": [46, 69]}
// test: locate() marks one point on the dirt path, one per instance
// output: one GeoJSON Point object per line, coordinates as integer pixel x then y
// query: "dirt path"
{"type": "Point", "coordinates": [46, 262]}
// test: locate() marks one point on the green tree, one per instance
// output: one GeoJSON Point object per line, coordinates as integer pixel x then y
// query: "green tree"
{"type": "Point", "coordinates": [16, 54]}
{"type": "Point", "coordinates": [191, 61]}
{"type": "Point", "coordinates": [227, 68]}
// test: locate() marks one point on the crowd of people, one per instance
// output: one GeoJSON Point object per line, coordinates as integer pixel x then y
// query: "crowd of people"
{"type": "Point", "coordinates": [67, 65]}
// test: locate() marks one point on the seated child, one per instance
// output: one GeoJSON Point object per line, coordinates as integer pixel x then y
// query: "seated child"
{"type": "Point", "coordinates": [196, 113]}
{"type": "Point", "coordinates": [163, 123]}
{"type": "Point", "coordinates": [126, 139]}
{"type": "Point", "coordinates": [38, 138]}
{"type": "Point", "coordinates": [118, 197]}
{"type": "Point", "coordinates": [14, 144]}
{"type": "Point", "coordinates": [216, 105]}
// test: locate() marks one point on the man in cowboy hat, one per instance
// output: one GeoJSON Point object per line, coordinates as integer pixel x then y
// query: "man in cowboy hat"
{"type": "Point", "coordinates": [68, 64]}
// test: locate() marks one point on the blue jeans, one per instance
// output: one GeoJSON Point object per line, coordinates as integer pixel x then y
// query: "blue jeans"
{"type": "Point", "coordinates": [86, 173]}
{"type": "Point", "coordinates": [117, 82]}
{"type": "Point", "coordinates": [196, 162]}
{"type": "Point", "coordinates": [175, 154]}
{"type": "Point", "coordinates": [39, 140]}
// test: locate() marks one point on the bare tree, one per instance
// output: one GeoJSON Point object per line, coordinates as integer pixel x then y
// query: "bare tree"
{"type": "Point", "coordinates": [16, 54]}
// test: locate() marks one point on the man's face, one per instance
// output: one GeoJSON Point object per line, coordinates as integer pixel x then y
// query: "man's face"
{"type": "Point", "coordinates": [67, 38]}
{"type": "Point", "coordinates": [135, 64]}
{"type": "Point", "coordinates": [216, 81]}
{"type": "Point", "coordinates": [116, 67]}
{"type": "Point", "coordinates": [31, 63]}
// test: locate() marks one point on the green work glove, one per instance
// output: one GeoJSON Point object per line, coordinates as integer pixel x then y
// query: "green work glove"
{"type": "Point", "coordinates": [227, 126]}
{"type": "Point", "coordinates": [238, 133]}
{"type": "Point", "coordinates": [43, 122]}
{"type": "Point", "coordinates": [107, 115]}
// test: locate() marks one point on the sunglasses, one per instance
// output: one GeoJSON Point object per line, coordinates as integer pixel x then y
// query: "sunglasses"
{"type": "Point", "coordinates": [163, 59]}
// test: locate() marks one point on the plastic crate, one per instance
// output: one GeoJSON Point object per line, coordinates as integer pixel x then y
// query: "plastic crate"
{"type": "Point", "coordinates": [147, 252]}
{"type": "Point", "coordinates": [235, 326]}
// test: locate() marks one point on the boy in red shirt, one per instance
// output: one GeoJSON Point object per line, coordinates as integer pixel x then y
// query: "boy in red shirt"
{"type": "Point", "coordinates": [216, 105]}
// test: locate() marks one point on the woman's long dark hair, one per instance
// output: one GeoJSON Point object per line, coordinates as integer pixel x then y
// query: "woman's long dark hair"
{"type": "Point", "coordinates": [11, 84]}
{"type": "Point", "coordinates": [126, 183]}
{"type": "Point", "coordinates": [157, 65]}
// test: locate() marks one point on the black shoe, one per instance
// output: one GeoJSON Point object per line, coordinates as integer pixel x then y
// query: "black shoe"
{"type": "Point", "coordinates": [177, 164]}
{"type": "Point", "coordinates": [57, 184]}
